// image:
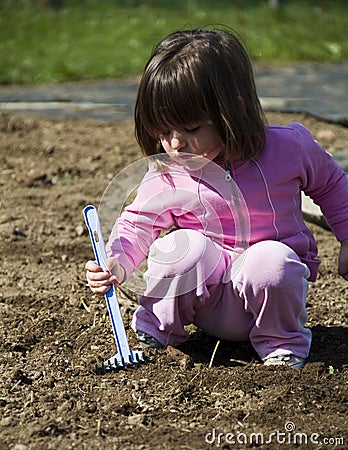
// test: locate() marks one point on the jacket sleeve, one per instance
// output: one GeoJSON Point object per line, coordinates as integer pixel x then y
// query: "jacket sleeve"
{"type": "Point", "coordinates": [141, 222]}
{"type": "Point", "coordinates": [325, 182]}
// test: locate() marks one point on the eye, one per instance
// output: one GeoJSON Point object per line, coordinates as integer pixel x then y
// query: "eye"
{"type": "Point", "coordinates": [192, 129]}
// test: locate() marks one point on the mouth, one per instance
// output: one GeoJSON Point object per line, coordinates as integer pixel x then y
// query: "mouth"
{"type": "Point", "coordinates": [190, 160]}
{"type": "Point", "coordinates": [178, 156]}
{"type": "Point", "coordinates": [186, 155]}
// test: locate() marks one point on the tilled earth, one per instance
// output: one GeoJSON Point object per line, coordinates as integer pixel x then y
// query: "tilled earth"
{"type": "Point", "coordinates": [54, 330]}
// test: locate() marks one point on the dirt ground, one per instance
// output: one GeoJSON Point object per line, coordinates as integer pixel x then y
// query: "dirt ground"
{"type": "Point", "coordinates": [54, 330]}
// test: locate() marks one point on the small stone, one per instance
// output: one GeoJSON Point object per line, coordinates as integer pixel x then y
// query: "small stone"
{"type": "Point", "coordinates": [141, 384]}
{"type": "Point", "coordinates": [20, 447]}
{"type": "Point", "coordinates": [80, 229]}
{"type": "Point", "coordinates": [137, 419]}
{"type": "Point", "coordinates": [8, 422]}
{"type": "Point", "coordinates": [326, 135]}
{"type": "Point", "coordinates": [36, 375]}
{"type": "Point", "coordinates": [185, 361]}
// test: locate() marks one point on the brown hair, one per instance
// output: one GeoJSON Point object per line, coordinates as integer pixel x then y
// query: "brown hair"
{"type": "Point", "coordinates": [195, 76]}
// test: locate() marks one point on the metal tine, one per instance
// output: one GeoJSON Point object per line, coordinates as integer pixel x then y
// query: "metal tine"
{"type": "Point", "coordinates": [137, 357]}
{"type": "Point", "coordinates": [117, 362]}
{"type": "Point", "coordinates": [107, 366]}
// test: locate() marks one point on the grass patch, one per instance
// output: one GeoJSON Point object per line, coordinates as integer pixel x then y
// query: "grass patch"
{"type": "Point", "coordinates": [113, 39]}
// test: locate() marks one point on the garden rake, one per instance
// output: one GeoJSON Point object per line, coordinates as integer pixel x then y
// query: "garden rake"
{"type": "Point", "coordinates": [125, 356]}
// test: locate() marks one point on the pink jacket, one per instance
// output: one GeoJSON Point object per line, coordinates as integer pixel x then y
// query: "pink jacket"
{"type": "Point", "coordinates": [239, 204]}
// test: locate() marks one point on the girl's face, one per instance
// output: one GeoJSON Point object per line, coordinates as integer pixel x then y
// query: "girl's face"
{"type": "Point", "coordinates": [194, 145]}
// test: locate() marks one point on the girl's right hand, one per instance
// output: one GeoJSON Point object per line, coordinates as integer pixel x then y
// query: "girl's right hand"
{"type": "Point", "coordinates": [100, 281]}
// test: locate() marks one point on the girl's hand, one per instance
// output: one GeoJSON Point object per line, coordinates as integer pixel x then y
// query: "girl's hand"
{"type": "Point", "coordinates": [343, 260]}
{"type": "Point", "coordinates": [100, 281]}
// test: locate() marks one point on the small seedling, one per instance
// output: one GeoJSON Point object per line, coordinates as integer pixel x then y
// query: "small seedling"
{"type": "Point", "coordinates": [213, 355]}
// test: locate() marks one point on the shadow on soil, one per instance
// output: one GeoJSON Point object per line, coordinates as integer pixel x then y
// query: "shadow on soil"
{"type": "Point", "coordinates": [328, 345]}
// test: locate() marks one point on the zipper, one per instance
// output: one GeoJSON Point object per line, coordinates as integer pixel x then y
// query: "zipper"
{"type": "Point", "coordinates": [240, 204]}
{"type": "Point", "coordinates": [228, 176]}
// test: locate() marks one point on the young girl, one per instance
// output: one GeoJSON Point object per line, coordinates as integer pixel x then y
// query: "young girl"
{"type": "Point", "coordinates": [237, 258]}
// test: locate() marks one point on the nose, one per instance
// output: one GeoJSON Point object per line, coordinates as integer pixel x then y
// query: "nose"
{"type": "Point", "coordinates": [177, 140]}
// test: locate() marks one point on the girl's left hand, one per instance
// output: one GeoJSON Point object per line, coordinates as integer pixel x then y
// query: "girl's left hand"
{"type": "Point", "coordinates": [343, 260]}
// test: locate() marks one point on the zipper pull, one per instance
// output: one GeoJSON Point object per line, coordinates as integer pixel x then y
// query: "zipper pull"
{"type": "Point", "coordinates": [228, 176]}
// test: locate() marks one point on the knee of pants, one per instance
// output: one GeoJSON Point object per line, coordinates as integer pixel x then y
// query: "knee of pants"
{"type": "Point", "coordinates": [179, 251]}
{"type": "Point", "coordinates": [270, 263]}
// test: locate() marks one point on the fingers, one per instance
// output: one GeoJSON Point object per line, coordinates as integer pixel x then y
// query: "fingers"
{"type": "Point", "coordinates": [98, 280]}
{"type": "Point", "coordinates": [92, 266]}
{"type": "Point", "coordinates": [116, 269]}
{"type": "Point", "coordinates": [101, 290]}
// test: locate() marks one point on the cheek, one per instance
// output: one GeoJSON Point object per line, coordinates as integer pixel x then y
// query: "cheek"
{"type": "Point", "coordinates": [167, 148]}
{"type": "Point", "coordinates": [210, 143]}
{"type": "Point", "coordinates": [209, 139]}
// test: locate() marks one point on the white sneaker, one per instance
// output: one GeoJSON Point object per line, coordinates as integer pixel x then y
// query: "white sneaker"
{"type": "Point", "coordinates": [295, 362]}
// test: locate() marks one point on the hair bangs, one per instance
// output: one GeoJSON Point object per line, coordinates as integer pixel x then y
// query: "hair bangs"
{"type": "Point", "coordinates": [176, 101]}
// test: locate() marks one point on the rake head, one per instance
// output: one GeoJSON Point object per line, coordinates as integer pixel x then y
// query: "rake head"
{"type": "Point", "coordinates": [117, 361]}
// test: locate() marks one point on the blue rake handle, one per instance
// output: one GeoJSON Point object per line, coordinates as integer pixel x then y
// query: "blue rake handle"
{"type": "Point", "coordinates": [125, 355]}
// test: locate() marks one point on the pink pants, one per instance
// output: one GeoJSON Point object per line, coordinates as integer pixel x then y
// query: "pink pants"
{"type": "Point", "coordinates": [259, 295]}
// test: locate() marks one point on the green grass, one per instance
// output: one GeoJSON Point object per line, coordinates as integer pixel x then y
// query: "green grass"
{"type": "Point", "coordinates": [113, 39]}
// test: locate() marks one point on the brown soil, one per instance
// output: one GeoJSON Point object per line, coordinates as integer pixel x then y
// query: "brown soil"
{"type": "Point", "coordinates": [54, 330]}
